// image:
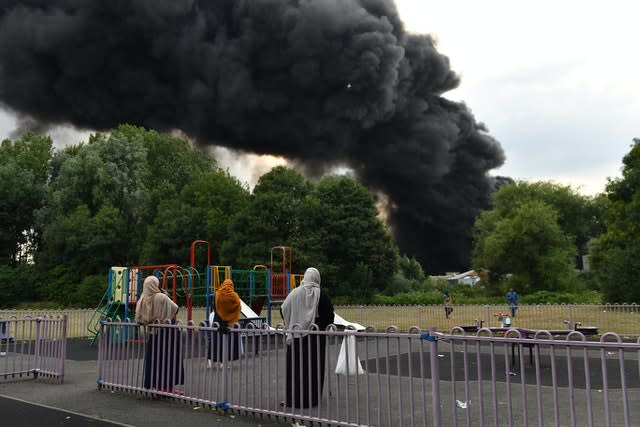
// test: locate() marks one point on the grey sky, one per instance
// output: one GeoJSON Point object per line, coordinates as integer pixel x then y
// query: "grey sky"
{"type": "Point", "coordinates": [555, 82]}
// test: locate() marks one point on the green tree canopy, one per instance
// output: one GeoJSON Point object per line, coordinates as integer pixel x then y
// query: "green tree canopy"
{"type": "Point", "coordinates": [616, 254]}
{"type": "Point", "coordinates": [268, 219]}
{"type": "Point", "coordinates": [202, 211]}
{"type": "Point", "coordinates": [104, 177]}
{"type": "Point", "coordinates": [531, 235]}
{"type": "Point", "coordinates": [339, 232]}
{"type": "Point", "coordinates": [578, 216]}
{"type": "Point", "coordinates": [24, 170]}
{"type": "Point", "coordinates": [104, 199]}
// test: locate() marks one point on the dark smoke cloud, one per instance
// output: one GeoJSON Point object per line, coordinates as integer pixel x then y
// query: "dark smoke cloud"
{"type": "Point", "coordinates": [321, 82]}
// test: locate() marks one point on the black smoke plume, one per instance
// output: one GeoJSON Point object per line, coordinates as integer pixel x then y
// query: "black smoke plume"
{"type": "Point", "coordinates": [321, 82]}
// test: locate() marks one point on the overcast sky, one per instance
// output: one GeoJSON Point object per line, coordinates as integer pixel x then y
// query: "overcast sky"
{"type": "Point", "coordinates": [556, 82]}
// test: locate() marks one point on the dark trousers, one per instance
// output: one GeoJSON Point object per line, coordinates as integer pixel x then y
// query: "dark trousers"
{"type": "Point", "coordinates": [305, 371]}
{"type": "Point", "coordinates": [163, 359]}
{"type": "Point", "coordinates": [219, 340]}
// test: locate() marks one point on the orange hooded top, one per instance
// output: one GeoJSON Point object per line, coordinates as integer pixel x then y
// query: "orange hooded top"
{"type": "Point", "coordinates": [228, 304]}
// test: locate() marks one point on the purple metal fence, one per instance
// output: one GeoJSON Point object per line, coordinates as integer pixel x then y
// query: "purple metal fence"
{"type": "Point", "coordinates": [382, 378]}
{"type": "Point", "coordinates": [33, 347]}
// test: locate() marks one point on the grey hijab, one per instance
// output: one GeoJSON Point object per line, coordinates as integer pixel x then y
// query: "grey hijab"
{"type": "Point", "coordinates": [301, 305]}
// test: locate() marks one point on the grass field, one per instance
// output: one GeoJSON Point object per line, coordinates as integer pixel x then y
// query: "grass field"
{"type": "Point", "coordinates": [621, 319]}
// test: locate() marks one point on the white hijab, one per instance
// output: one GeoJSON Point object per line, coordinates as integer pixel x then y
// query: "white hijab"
{"type": "Point", "coordinates": [301, 305]}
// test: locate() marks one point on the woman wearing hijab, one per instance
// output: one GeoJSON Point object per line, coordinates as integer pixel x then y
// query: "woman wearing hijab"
{"type": "Point", "coordinates": [226, 313]}
{"type": "Point", "coordinates": [304, 306]}
{"type": "Point", "coordinates": [162, 358]}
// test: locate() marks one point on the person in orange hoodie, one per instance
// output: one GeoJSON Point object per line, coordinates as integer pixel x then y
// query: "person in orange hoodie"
{"type": "Point", "coordinates": [226, 313]}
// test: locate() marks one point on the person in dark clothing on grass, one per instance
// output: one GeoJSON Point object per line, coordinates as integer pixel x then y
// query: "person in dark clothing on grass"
{"type": "Point", "coordinates": [448, 305]}
{"type": "Point", "coordinates": [512, 299]}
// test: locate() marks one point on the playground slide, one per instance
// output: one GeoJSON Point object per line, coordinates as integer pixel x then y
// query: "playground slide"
{"type": "Point", "coordinates": [247, 311]}
{"type": "Point", "coordinates": [337, 320]}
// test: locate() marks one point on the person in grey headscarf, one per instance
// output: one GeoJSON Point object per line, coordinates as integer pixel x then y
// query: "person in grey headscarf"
{"type": "Point", "coordinates": [305, 306]}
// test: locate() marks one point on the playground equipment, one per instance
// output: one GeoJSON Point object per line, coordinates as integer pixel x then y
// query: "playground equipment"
{"type": "Point", "coordinates": [258, 286]}
{"type": "Point", "coordinates": [125, 287]}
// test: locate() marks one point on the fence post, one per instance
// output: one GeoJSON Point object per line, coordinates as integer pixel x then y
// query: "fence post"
{"type": "Point", "coordinates": [572, 318]}
{"type": "Point", "coordinates": [36, 357]}
{"type": "Point", "coordinates": [63, 355]}
{"type": "Point", "coordinates": [101, 350]}
{"type": "Point", "coordinates": [224, 404]}
{"type": "Point", "coordinates": [432, 338]}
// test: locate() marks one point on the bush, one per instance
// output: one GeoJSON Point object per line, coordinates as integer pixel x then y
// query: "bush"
{"type": "Point", "coordinates": [548, 297]}
{"type": "Point", "coordinates": [17, 284]}
{"type": "Point", "coordinates": [91, 290]}
{"type": "Point", "coordinates": [410, 298]}
{"type": "Point", "coordinates": [397, 285]}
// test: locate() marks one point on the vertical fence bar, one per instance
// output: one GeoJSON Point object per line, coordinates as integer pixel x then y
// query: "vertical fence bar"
{"type": "Point", "coordinates": [432, 339]}
{"type": "Point", "coordinates": [37, 348]}
{"type": "Point", "coordinates": [63, 346]}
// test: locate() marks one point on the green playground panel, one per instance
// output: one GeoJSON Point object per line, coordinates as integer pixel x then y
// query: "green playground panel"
{"type": "Point", "coordinates": [250, 284]}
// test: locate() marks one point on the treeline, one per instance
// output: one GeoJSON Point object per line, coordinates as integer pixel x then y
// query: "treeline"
{"type": "Point", "coordinates": [134, 196]}
{"type": "Point", "coordinates": [536, 234]}
{"type": "Point", "coordinates": [138, 197]}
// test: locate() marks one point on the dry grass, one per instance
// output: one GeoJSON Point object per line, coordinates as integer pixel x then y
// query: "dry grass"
{"type": "Point", "coordinates": [621, 319]}
{"type": "Point", "coordinates": [624, 320]}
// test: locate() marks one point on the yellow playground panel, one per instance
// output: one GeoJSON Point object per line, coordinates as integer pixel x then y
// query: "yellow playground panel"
{"type": "Point", "coordinates": [295, 280]}
{"type": "Point", "coordinates": [219, 273]}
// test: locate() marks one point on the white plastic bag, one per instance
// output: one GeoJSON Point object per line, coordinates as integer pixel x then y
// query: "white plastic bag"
{"type": "Point", "coordinates": [348, 352]}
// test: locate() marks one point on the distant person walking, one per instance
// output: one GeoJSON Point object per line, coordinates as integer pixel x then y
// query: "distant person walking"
{"type": "Point", "coordinates": [448, 305]}
{"type": "Point", "coordinates": [512, 299]}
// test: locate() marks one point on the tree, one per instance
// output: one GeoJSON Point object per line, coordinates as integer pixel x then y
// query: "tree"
{"type": "Point", "coordinates": [524, 247]}
{"type": "Point", "coordinates": [339, 232]}
{"type": "Point", "coordinates": [18, 284]}
{"type": "Point", "coordinates": [103, 197]}
{"type": "Point", "coordinates": [203, 210]}
{"type": "Point", "coordinates": [97, 201]}
{"type": "Point", "coordinates": [616, 254]}
{"type": "Point", "coordinates": [268, 219]}
{"type": "Point", "coordinates": [578, 216]}
{"type": "Point", "coordinates": [24, 170]}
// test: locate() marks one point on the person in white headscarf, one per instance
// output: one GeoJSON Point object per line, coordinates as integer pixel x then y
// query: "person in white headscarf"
{"type": "Point", "coordinates": [162, 357]}
{"type": "Point", "coordinates": [305, 306]}
{"type": "Point", "coordinates": [154, 305]}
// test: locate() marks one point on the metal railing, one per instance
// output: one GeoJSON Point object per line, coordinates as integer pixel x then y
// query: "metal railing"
{"type": "Point", "coordinates": [382, 378]}
{"type": "Point", "coordinates": [33, 347]}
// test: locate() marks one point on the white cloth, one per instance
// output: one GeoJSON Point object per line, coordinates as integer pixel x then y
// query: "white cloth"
{"type": "Point", "coordinates": [301, 305]}
{"type": "Point", "coordinates": [349, 356]}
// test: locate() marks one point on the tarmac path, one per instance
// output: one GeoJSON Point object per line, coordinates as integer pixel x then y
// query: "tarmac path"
{"type": "Point", "coordinates": [25, 402]}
